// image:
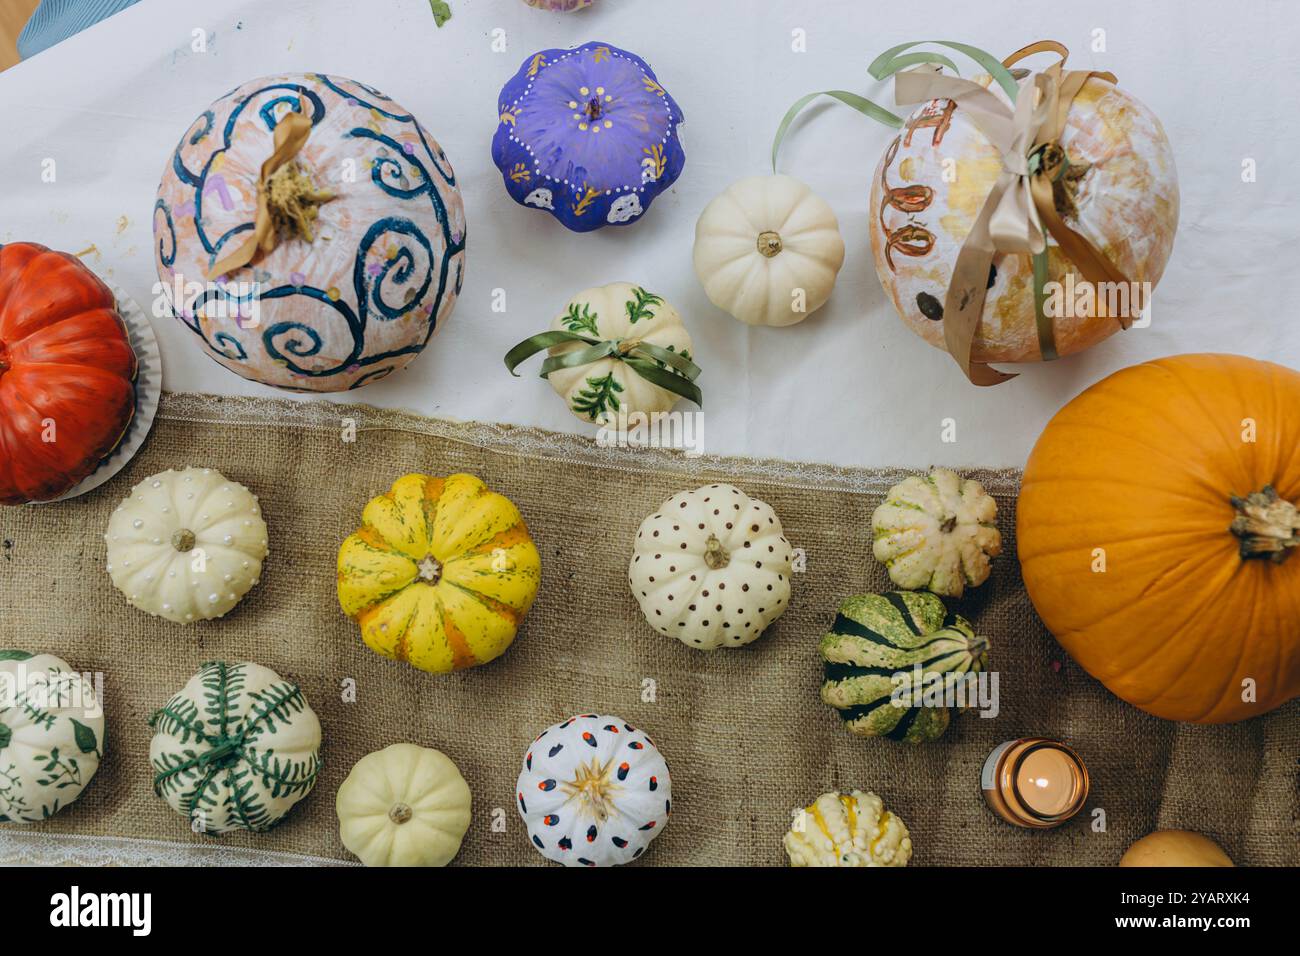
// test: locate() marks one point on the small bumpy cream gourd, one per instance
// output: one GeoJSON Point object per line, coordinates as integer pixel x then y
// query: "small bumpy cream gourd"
{"type": "Point", "coordinates": [186, 545]}
{"type": "Point", "coordinates": [404, 805]}
{"type": "Point", "coordinates": [848, 830]}
{"type": "Point", "coordinates": [711, 567]}
{"type": "Point", "coordinates": [937, 531]}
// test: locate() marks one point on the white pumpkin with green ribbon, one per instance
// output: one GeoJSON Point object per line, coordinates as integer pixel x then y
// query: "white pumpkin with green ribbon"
{"type": "Point", "coordinates": [51, 735]}
{"type": "Point", "coordinates": [235, 748]}
{"type": "Point", "coordinates": [938, 532]}
{"type": "Point", "coordinates": [616, 350]}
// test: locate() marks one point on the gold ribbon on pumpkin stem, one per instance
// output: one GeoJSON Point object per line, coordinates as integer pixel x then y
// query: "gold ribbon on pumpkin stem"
{"type": "Point", "coordinates": [286, 197]}
{"type": "Point", "coordinates": [1020, 210]}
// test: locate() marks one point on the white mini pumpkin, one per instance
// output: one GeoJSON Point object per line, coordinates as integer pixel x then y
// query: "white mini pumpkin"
{"type": "Point", "coordinates": [711, 567]}
{"type": "Point", "coordinates": [593, 791]}
{"type": "Point", "coordinates": [937, 531]}
{"type": "Point", "coordinates": [404, 805]}
{"type": "Point", "coordinates": [51, 735]}
{"type": "Point", "coordinates": [235, 748]}
{"type": "Point", "coordinates": [186, 545]}
{"type": "Point", "coordinates": [848, 830]}
{"type": "Point", "coordinates": [767, 250]}
{"type": "Point", "coordinates": [623, 313]}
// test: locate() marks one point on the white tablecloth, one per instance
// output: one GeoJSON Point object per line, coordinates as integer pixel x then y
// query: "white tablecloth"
{"type": "Point", "coordinates": [851, 385]}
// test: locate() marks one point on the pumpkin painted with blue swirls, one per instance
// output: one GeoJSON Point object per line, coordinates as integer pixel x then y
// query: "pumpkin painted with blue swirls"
{"type": "Point", "coordinates": [387, 255]}
{"type": "Point", "coordinates": [588, 135]}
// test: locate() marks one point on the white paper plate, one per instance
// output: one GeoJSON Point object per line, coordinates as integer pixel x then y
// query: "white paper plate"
{"type": "Point", "coordinates": [148, 389]}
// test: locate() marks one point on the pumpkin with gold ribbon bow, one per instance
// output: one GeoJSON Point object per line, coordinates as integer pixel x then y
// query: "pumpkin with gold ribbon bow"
{"type": "Point", "coordinates": [1016, 216]}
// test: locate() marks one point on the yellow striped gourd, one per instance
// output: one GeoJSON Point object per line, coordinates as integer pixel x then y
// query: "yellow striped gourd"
{"type": "Point", "coordinates": [440, 574]}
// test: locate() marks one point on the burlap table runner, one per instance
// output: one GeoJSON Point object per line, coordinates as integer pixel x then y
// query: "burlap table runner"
{"type": "Point", "coordinates": [744, 732]}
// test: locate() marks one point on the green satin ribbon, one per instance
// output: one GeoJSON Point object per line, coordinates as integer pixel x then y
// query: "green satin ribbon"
{"type": "Point", "coordinates": [859, 103]}
{"type": "Point", "coordinates": [644, 358]}
{"type": "Point", "coordinates": [886, 65]}
{"type": "Point", "coordinates": [1045, 327]}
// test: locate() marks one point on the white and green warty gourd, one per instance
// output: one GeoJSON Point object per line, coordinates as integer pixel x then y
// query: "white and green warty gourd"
{"type": "Point", "coordinates": [51, 735]}
{"type": "Point", "coordinates": [235, 748]}
{"type": "Point", "coordinates": [593, 791]}
{"type": "Point", "coordinates": [848, 830]}
{"type": "Point", "coordinates": [711, 567]}
{"type": "Point", "coordinates": [887, 658]}
{"type": "Point", "coordinates": [615, 350]}
{"type": "Point", "coordinates": [404, 805]}
{"type": "Point", "coordinates": [767, 250]}
{"type": "Point", "coordinates": [186, 545]}
{"type": "Point", "coordinates": [937, 531]}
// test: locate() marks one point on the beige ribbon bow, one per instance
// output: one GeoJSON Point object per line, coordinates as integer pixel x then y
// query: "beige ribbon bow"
{"type": "Point", "coordinates": [1020, 210]}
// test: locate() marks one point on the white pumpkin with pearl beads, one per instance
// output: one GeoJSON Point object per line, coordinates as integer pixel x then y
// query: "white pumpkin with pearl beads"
{"type": "Point", "coordinates": [711, 567]}
{"type": "Point", "coordinates": [186, 545]}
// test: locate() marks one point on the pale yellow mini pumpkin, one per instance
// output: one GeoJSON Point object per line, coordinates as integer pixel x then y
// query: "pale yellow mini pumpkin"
{"type": "Point", "coordinates": [767, 250]}
{"type": "Point", "coordinates": [848, 830]}
{"type": "Point", "coordinates": [404, 805]}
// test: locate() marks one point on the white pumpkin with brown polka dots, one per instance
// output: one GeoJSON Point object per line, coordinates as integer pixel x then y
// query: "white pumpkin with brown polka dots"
{"type": "Point", "coordinates": [711, 567]}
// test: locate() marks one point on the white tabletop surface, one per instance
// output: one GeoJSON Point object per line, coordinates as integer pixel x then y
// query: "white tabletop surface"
{"type": "Point", "coordinates": [850, 385]}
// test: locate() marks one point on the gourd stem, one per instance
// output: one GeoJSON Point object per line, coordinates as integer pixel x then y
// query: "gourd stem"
{"type": "Point", "coordinates": [400, 813]}
{"type": "Point", "coordinates": [715, 555]}
{"type": "Point", "coordinates": [183, 540]}
{"type": "Point", "coordinates": [430, 570]}
{"type": "Point", "coordinates": [769, 243]}
{"type": "Point", "coordinates": [294, 200]}
{"type": "Point", "coordinates": [1266, 525]}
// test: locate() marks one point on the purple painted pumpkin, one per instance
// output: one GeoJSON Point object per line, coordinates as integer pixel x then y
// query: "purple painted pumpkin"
{"type": "Point", "coordinates": [587, 135]}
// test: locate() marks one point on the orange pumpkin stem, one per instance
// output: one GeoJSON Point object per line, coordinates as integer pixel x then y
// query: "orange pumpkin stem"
{"type": "Point", "coordinates": [1267, 525]}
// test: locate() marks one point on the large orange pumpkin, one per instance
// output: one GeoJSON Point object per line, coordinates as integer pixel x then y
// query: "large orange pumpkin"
{"type": "Point", "coordinates": [1156, 526]}
{"type": "Point", "coordinates": [67, 373]}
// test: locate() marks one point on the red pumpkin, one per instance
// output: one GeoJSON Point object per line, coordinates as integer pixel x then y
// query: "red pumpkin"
{"type": "Point", "coordinates": [67, 373]}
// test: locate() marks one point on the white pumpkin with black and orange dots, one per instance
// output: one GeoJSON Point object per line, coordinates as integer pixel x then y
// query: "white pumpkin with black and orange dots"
{"type": "Point", "coordinates": [593, 791]}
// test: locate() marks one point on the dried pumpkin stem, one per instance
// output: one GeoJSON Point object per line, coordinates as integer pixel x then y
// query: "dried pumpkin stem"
{"type": "Point", "coordinates": [294, 200]}
{"type": "Point", "coordinates": [592, 786]}
{"type": "Point", "coordinates": [1267, 525]}
{"type": "Point", "coordinates": [183, 540]}
{"type": "Point", "coordinates": [400, 813]}
{"type": "Point", "coordinates": [715, 555]}
{"type": "Point", "coordinates": [769, 243]}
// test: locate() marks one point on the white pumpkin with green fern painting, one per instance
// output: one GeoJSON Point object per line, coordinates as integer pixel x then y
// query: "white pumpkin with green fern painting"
{"type": "Point", "coordinates": [51, 735]}
{"type": "Point", "coordinates": [623, 313]}
{"type": "Point", "coordinates": [235, 748]}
